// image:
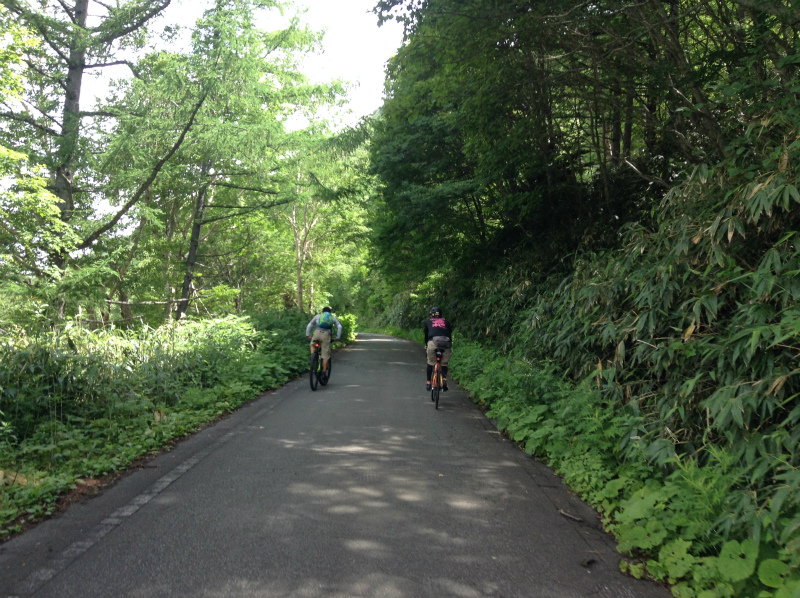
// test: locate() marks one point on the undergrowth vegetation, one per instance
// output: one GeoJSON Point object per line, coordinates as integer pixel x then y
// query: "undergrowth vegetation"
{"type": "Point", "coordinates": [661, 378]}
{"type": "Point", "coordinates": [661, 381]}
{"type": "Point", "coordinates": [676, 520]}
{"type": "Point", "coordinates": [78, 403]}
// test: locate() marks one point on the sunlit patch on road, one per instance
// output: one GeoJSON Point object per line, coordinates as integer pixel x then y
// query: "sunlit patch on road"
{"type": "Point", "coordinates": [351, 450]}
{"type": "Point", "coordinates": [367, 546]}
{"type": "Point", "coordinates": [410, 496]}
{"type": "Point", "coordinates": [465, 504]}
{"type": "Point", "coordinates": [344, 510]}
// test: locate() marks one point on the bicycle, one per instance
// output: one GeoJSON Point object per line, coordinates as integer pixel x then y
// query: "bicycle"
{"type": "Point", "coordinates": [316, 375]}
{"type": "Point", "coordinates": [437, 379]}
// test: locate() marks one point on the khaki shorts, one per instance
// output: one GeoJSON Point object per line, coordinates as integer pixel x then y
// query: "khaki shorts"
{"type": "Point", "coordinates": [432, 354]}
{"type": "Point", "coordinates": [324, 338]}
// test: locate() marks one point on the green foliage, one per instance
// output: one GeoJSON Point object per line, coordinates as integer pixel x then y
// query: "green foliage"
{"type": "Point", "coordinates": [30, 223]}
{"type": "Point", "coordinates": [412, 335]}
{"type": "Point", "coordinates": [195, 145]}
{"type": "Point", "coordinates": [676, 518]}
{"type": "Point", "coordinates": [79, 403]}
{"type": "Point", "coordinates": [348, 322]}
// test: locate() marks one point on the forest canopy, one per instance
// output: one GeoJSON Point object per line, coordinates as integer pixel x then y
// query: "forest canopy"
{"type": "Point", "coordinates": [185, 188]}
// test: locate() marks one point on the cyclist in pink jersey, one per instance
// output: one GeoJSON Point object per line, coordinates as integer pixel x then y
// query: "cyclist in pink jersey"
{"type": "Point", "coordinates": [438, 335]}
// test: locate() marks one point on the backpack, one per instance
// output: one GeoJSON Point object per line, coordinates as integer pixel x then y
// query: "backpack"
{"type": "Point", "coordinates": [326, 320]}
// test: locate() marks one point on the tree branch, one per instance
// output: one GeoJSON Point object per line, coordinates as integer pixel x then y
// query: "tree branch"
{"type": "Point", "coordinates": [771, 8]}
{"type": "Point", "coordinates": [167, 302]}
{"type": "Point", "coordinates": [56, 81]}
{"type": "Point", "coordinates": [38, 22]}
{"type": "Point", "coordinates": [146, 185]}
{"type": "Point", "coordinates": [245, 188]}
{"type": "Point", "coordinates": [649, 179]}
{"type": "Point", "coordinates": [114, 33]}
{"type": "Point", "coordinates": [67, 10]}
{"type": "Point", "coordinates": [248, 210]}
{"type": "Point", "coordinates": [29, 121]}
{"type": "Point", "coordinates": [103, 4]}
{"type": "Point", "coordinates": [127, 63]}
{"type": "Point", "coordinates": [97, 113]}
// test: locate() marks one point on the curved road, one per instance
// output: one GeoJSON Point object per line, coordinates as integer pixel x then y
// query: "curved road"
{"type": "Point", "coordinates": [360, 489]}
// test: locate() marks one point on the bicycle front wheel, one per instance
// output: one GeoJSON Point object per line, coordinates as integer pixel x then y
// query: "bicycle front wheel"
{"type": "Point", "coordinates": [313, 371]}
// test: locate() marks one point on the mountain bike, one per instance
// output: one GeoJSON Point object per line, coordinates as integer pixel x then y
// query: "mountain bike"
{"type": "Point", "coordinates": [316, 375]}
{"type": "Point", "coordinates": [437, 379]}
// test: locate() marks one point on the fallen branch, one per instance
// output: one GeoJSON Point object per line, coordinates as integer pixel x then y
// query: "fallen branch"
{"type": "Point", "coordinates": [568, 516]}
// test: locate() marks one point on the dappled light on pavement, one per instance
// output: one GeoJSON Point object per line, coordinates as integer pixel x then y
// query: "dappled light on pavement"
{"type": "Point", "coordinates": [354, 491]}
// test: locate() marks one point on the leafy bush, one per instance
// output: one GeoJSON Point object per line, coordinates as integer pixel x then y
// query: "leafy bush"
{"type": "Point", "coordinates": [77, 403]}
{"type": "Point", "coordinates": [348, 327]}
{"type": "Point", "coordinates": [675, 518]}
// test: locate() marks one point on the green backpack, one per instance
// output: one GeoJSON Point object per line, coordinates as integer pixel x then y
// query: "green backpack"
{"type": "Point", "coordinates": [326, 320]}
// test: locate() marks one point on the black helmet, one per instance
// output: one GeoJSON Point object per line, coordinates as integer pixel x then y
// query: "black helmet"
{"type": "Point", "coordinates": [328, 309]}
{"type": "Point", "coordinates": [436, 312]}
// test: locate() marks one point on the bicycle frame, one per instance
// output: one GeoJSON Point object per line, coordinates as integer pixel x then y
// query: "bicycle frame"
{"type": "Point", "coordinates": [436, 381]}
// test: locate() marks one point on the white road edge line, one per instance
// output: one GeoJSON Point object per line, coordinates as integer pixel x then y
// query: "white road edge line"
{"type": "Point", "coordinates": [40, 577]}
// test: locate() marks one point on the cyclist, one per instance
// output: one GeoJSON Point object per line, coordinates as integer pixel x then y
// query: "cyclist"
{"type": "Point", "coordinates": [324, 323]}
{"type": "Point", "coordinates": [438, 335]}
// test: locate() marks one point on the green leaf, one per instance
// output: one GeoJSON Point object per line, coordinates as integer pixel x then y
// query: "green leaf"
{"type": "Point", "coordinates": [737, 561]}
{"type": "Point", "coordinates": [790, 590]}
{"type": "Point", "coordinates": [771, 572]}
{"type": "Point", "coordinates": [675, 557]}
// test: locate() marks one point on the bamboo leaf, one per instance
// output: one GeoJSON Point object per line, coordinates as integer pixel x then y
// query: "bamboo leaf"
{"type": "Point", "coordinates": [777, 384]}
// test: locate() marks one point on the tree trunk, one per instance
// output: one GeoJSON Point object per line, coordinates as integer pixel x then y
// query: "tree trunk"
{"type": "Point", "coordinates": [169, 231]}
{"type": "Point", "coordinates": [70, 127]}
{"type": "Point", "coordinates": [194, 244]}
{"type": "Point", "coordinates": [303, 244]}
{"type": "Point", "coordinates": [300, 285]}
{"type": "Point", "coordinates": [125, 308]}
{"type": "Point", "coordinates": [238, 300]}
{"type": "Point", "coordinates": [616, 125]}
{"type": "Point", "coordinates": [64, 166]}
{"type": "Point", "coordinates": [628, 131]}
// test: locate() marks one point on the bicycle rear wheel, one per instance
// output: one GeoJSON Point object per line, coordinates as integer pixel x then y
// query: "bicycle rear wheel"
{"type": "Point", "coordinates": [313, 371]}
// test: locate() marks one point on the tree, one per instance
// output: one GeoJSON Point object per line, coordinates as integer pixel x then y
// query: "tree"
{"type": "Point", "coordinates": [191, 145]}
{"type": "Point", "coordinates": [518, 134]}
{"type": "Point", "coordinates": [326, 212]}
{"type": "Point", "coordinates": [48, 123]}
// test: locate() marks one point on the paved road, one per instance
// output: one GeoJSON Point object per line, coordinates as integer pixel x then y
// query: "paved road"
{"type": "Point", "coordinates": [360, 489]}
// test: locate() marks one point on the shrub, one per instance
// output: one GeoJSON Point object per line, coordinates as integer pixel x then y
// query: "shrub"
{"type": "Point", "coordinates": [77, 403]}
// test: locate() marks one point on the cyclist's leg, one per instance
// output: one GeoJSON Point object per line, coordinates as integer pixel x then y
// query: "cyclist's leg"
{"type": "Point", "coordinates": [325, 347]}
{"type": "Point", "coordinates": [445, 360]}
{"type": "Point", "coordinates": [430, 351]}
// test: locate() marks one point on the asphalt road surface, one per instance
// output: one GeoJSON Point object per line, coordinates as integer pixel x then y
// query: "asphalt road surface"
{"type": "Point", "coordinates": [360, 489]}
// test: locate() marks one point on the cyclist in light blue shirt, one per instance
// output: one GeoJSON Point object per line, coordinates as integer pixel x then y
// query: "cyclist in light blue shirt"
{"type": "Point", "coordinates": [324, 323]}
